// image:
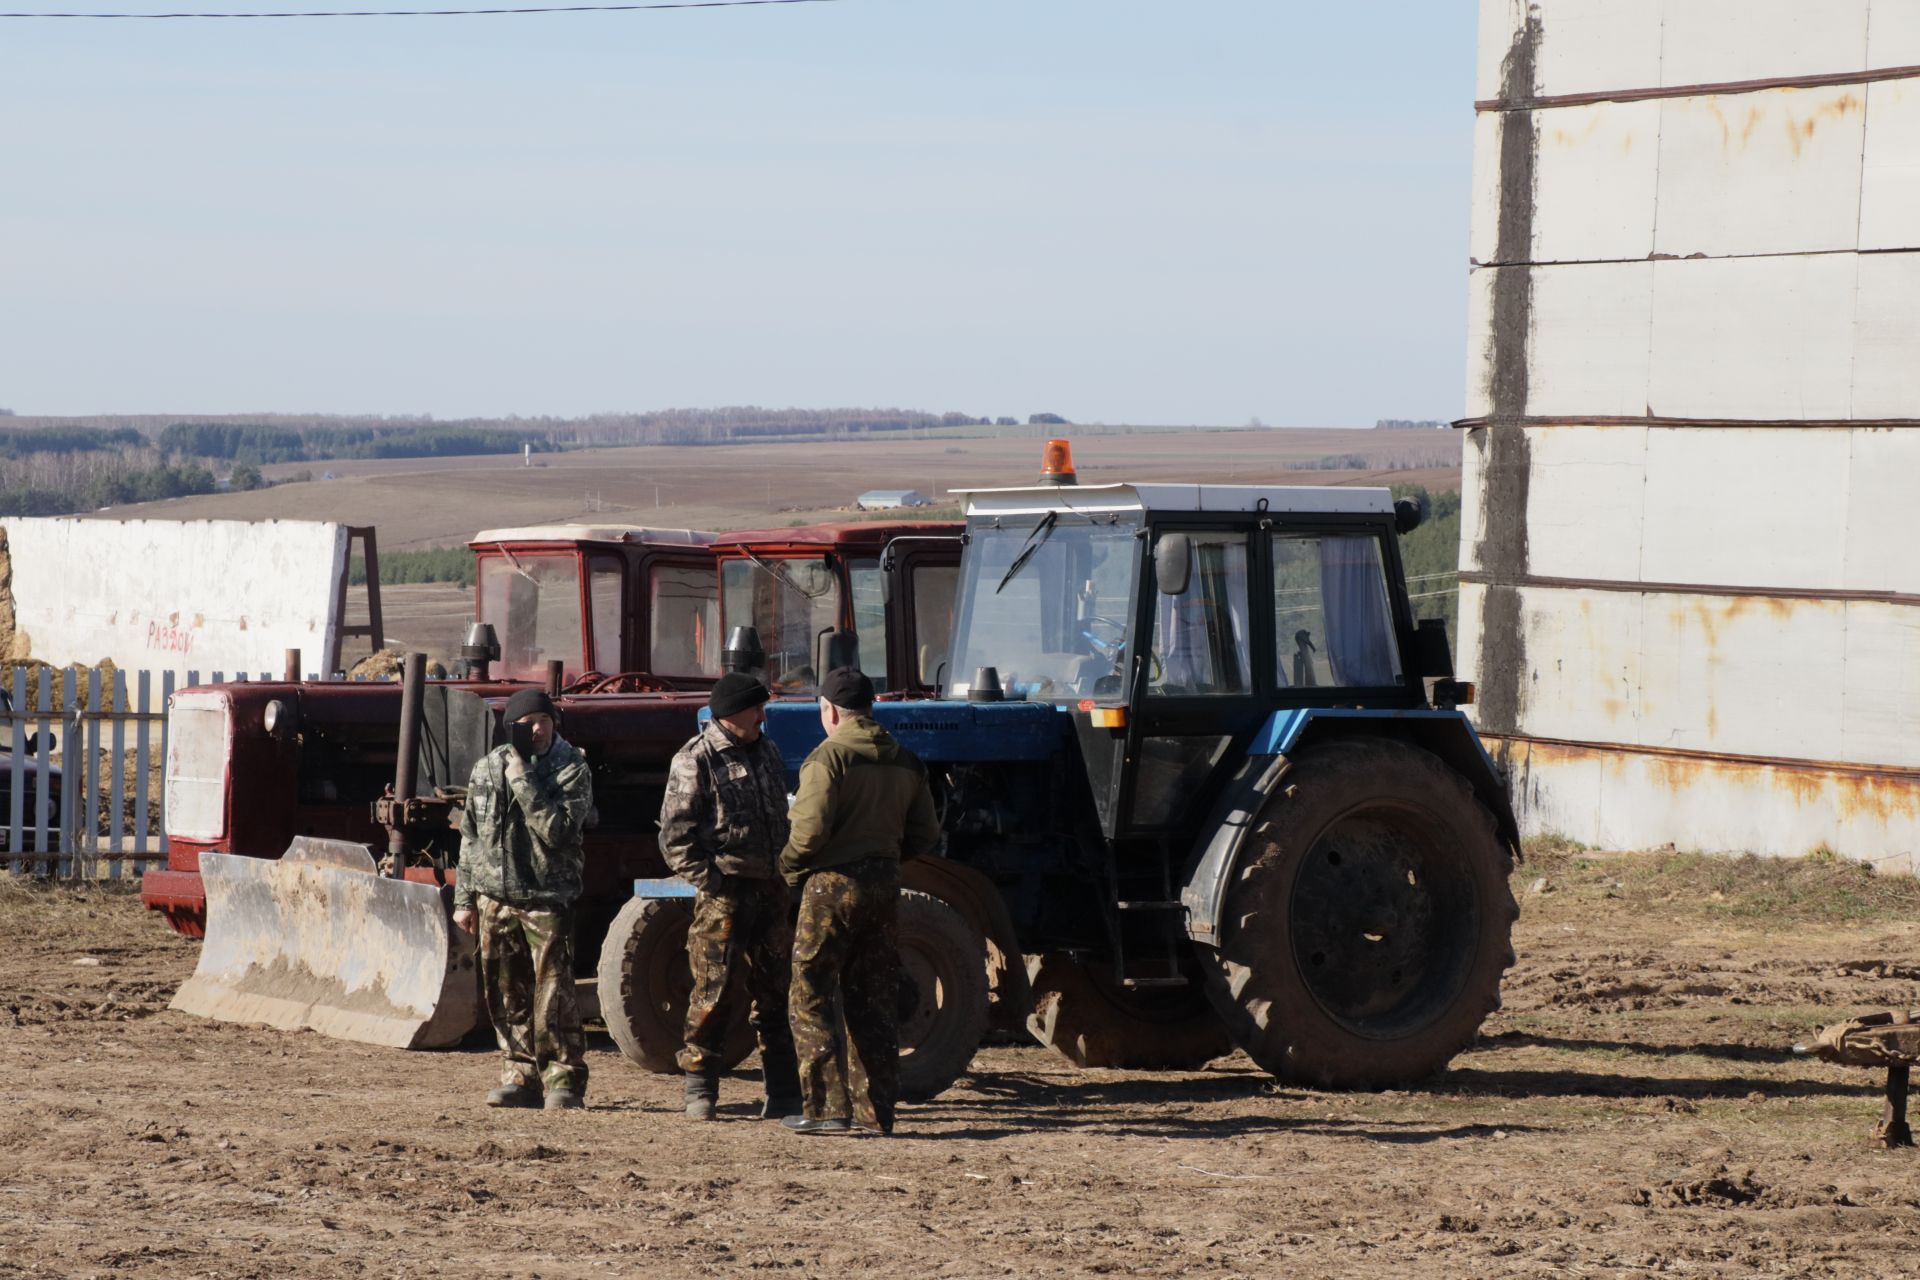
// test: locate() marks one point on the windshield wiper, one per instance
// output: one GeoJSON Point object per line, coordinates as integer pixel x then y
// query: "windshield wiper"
{"type": "Point", "coordinates": [781, 576]}
{"type": "Point", "coordinates": [1036, 539]}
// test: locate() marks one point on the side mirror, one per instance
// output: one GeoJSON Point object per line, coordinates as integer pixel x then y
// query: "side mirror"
{"type": "Point", "coordinates": [33, 742]}
{"type": "Point", "coordinates": [1432, 656]}
{"type": "Point", "coordinates": [1173, 563]}
{"type": "Point", "coordinates": [842, 650]}
{"type": "Point", "coordinates": [1408, 513]}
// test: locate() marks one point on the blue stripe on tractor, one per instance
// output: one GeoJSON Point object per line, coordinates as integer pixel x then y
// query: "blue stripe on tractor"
{"type": "Point", "coordinates": [1283, 728]}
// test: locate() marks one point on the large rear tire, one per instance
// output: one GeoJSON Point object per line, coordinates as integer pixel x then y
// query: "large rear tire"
{"type": "Point", "coordinates": [1082, 1014]}
{"type": "Point", "coordinates": [943, 997]}
{"type": "Point", "coordinates": [1365, 934]}
{"type": "Point", "coordinates": [645, 981]}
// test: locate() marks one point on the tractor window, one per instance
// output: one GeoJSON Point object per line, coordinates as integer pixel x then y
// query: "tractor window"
{"type": "Point", "coordinates": [1200, 643]}
{"type": "Point", "coordinates": [604, 582]}
{"type": "Point", "coordinates": [791, 602]}
{"type": "Point", "coordinates": [933, 588]}
{"type": "Point", "coordinates": [1333, 625]}
{"type": "Point", "coordinates": [684, 621]}
{"type": "Point", "coordinates": [1047, 604]}
{"type": "Point", "coordinates": [533, 602]}
{"type": "Point", "coordinates": [870, 619]}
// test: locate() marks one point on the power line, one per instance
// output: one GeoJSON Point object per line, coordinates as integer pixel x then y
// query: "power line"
{"type": "Point", "coordinates": [435, 13]}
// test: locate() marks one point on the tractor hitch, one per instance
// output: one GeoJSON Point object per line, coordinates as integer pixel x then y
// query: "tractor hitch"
{"type": "Point", "coordinates": [1890, 1039]}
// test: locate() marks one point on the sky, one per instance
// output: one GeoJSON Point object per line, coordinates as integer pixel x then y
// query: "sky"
{"type": "Point", "coordinates": [1191, 211]}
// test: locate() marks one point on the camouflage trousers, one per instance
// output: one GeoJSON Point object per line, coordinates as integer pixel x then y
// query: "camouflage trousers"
{"type": "Point", "coordinates": [847, 944]}
{"type": "Point", "coordinates": [526, 969]}
{"type": "Point", "coordinates": [740, 947]}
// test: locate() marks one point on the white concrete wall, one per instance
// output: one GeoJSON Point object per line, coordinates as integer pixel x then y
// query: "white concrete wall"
{"type": "Point", "coordinates": [203, 595]}
{"type": "Point", "coordinates": [1694, 365]}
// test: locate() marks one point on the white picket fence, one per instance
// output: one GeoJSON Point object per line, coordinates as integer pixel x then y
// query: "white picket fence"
{"type": "Point", "coordinates": [109, 820]}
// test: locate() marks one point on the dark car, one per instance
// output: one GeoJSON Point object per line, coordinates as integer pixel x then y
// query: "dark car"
{"type": "Point", "coordinates": [26, 769]}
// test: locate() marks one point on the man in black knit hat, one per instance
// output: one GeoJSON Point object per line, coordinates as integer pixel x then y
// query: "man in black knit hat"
{"type": "Point", "coordinates": [722, 825]}
{"type": "Point", "coordinates": [520, 871]}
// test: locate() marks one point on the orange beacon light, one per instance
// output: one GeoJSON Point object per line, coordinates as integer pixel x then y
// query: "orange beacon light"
{"type": "Point", "coordinates": [1056, 464]}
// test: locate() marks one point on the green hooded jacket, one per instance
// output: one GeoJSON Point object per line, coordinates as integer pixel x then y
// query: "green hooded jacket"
{"type": "Point", "coordinates": [862, 795]}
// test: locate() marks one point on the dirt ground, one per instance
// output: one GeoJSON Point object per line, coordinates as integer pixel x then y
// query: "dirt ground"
{"type": "Point", "coordinates": [1634, 1110]}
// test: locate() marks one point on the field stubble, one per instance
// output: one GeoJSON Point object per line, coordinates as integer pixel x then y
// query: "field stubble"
{"type": "Point", "coordinates": [1634, 1110]}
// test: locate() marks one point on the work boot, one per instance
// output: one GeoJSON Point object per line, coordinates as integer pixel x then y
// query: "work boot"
{"type": "Point", "coordinates": [826, 1124]}
{"type": "Point", "coordinates": [780, 1076]}
{"type": "Point", "coordinates": [703, 1095]}
{"type": "Point", "coordinates": [514, 1095]}
{"type": "Point", "coordinates": [565, 1100]}
{"type": "Point", "coordinates": [779, 1108]}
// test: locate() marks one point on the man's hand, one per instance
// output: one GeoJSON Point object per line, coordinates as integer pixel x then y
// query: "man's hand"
{"type": "Point", "coordinates": [516, 766]}
{"type": "Point", "coordinates": [465, 919]}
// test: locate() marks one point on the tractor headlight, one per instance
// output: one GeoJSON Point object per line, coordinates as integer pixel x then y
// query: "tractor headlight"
{"type": "Point", "coordinates": [279, 719]}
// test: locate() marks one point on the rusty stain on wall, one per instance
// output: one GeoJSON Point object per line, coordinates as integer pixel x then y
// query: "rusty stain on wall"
{"type": "Point", "coordinates": [1851, 794]}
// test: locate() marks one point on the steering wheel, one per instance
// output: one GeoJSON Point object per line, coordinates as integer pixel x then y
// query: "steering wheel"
{"type": "Point", "coordinates": [619, 682]}
{"type": "Point", "coordinates": [1112, 647]}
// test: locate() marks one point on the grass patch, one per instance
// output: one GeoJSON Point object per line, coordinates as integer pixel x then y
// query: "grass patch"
{"type": "Point", "coordinates": [1732, 887]}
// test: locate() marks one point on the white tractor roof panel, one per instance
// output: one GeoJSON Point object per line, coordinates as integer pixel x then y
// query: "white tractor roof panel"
{"type": "Point", "coordinates": [596, 533]}
{"type": "Point", "coordinates": [1296, 499]}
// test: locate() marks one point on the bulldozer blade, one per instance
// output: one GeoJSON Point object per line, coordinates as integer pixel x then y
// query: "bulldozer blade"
{"type": "Point", "coordinates": [318, 939]}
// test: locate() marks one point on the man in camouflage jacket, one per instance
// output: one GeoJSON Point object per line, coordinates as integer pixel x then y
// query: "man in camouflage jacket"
{"type": "Point", "coordinates": [863, 805]}
{"type": "Point", "coordinates": [722, 826]}
{"type": "Point", "coordinates": [520, 872]}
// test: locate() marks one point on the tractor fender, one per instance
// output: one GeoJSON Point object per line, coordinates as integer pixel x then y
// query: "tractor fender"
{"type": "Point", "coordinates": [1216, 856]}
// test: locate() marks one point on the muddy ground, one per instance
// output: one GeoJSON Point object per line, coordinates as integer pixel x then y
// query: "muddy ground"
{"type": "Point", "coordinates": [1633, 1110]}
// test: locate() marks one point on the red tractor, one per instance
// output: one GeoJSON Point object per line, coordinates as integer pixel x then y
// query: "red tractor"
{"type": "Point", "coordinates": [627, 625]}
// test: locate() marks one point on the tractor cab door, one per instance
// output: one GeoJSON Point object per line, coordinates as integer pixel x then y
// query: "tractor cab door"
{"type": "Point", "coordinates": [921, 576]}
{"type": "Point", "coordinates": [1199, 689]}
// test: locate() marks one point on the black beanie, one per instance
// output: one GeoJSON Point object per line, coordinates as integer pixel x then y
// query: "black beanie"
{"type": "Point", "coordinates": [848, 689]}
{"type": "Point", "coordinates": [528, 702]}
{"type": "Point", "coordinates": [734, 692]}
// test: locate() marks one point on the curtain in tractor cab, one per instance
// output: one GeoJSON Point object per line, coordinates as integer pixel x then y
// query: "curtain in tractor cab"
{"type": "Point", "coordinates": [1201, 634]}
{"type": "Point", "coordinates": [1353, 597]}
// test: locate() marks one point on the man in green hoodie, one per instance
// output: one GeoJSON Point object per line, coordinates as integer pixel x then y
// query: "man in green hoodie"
{"type": "Point", "coordinates": [862, 806]}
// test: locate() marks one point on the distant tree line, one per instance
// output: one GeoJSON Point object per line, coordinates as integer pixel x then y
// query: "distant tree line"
{"type": "Point", "coordinates": [434, 564]}
{"type": "Point", "coordinates": [260, 443]}
{"type": "Point", "coordinates": [282, 437]}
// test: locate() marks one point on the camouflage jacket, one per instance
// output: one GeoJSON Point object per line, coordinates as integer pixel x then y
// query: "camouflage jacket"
{"type": "Point", "coordinates": [520, 839]}
{"type": "Point", "coordinates": [725, 809]}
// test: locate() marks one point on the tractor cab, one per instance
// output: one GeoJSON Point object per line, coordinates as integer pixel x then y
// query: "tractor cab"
{"type": "Point", "coordinates": [876, 595]}
{"type": "Point", "coordinates": [1174, 620]}
{"type": "Point", "coordinates": [601, 599]}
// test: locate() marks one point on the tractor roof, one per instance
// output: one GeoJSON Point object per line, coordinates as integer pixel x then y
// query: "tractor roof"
{"type": "Point", "coordinates": [861, 534]}
{"type": "Point", "coordinates": [627, 533]}
{"type": "Point", "coordinates": [1299, 499]}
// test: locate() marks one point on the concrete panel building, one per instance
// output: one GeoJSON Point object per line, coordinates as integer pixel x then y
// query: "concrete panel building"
{"type": "Point", "coordinates": [1693, 442]}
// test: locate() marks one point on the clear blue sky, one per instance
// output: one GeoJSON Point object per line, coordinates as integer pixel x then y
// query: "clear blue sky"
{"type": "Point", "coordinates": [1176, 212]}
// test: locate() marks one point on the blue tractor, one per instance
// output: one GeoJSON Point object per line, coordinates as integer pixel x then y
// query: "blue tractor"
{"type": "Point", "coordinates": [1204, 786]}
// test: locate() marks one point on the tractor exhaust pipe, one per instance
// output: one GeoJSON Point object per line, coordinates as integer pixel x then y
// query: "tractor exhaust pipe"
{"type": "Point", "coordinates": [413, 680]}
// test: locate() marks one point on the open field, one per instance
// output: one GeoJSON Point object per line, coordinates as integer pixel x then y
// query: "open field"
{"type": "Point", "coordinates": [1633, 1111]}
{"type": "Point", "coordinates": [417, 502]}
